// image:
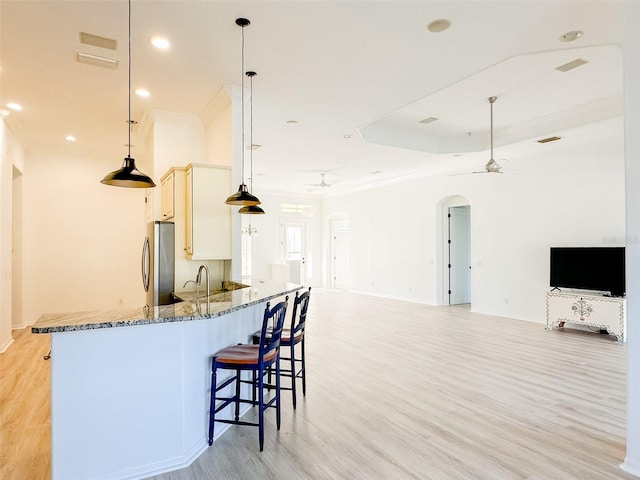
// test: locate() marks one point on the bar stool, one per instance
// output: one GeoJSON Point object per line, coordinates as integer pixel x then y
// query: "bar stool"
{"type": "Point", "coordinates": [258, 359]}
{"type": "Point", "coordinates": [291, 337]}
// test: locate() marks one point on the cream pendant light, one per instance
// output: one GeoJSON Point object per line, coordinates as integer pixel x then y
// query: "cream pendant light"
{"type": "Point", "coordinates": [242, 197]}
{"type": "Point", "coordinates": [128, 175]}
{"type": "Point", "coordinates": [251, 209]}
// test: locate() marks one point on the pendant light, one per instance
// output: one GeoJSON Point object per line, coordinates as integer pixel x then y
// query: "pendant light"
{"type": "Point", "coordinates": [242, 197]}
{"type": "Point", "coordinates": [251, 209]}
{"type": "Point", "coordinates": [128, 175]}
{"type": "Point", "coordinates": [492, 166]}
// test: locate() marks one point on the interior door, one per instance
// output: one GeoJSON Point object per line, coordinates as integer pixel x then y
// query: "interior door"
{"type": "Point", "coordinates": [340, 253]}
{"type": "Point", "coordinates": [295, 246]}
{"type": "Point", "coordinates": [459, 255]}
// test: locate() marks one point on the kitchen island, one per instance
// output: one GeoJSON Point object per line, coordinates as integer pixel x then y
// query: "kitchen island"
{"type": "Point", "coordinates": [130, 387]}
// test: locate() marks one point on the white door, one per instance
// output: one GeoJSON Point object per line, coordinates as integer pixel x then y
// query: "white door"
{"type": "Point", "coordinates": [295, 243]}
{"type": "Point", "coordinates": [459, 255]}
{"type": "Point", "coordinates": [340, 253]}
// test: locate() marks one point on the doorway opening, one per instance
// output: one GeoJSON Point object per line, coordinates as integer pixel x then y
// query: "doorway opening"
{"type": "Point", "coordinates": [454, 259]}
{"type": "Point", "coordinates": [459, 246]}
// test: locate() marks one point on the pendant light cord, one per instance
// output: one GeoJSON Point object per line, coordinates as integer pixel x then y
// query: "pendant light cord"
{"type": "Point", "coordinates": [491, 130]}
{"type": "Point", "coordinates": [242, 105]}
{"type": "Point", "coordinates": [251, 131]}
{"type": "Point", "coordinates": [129, 97]}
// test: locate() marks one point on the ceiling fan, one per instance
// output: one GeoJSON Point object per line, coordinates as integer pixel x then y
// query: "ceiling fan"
{"type": "Point", "coordinates": [491, 166]}
{"type": "Point", "coordinates": [322, 184]}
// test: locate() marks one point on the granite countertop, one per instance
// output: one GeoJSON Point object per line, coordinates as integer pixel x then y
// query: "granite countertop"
{"type": "Point", "coordinates": [191, 308]}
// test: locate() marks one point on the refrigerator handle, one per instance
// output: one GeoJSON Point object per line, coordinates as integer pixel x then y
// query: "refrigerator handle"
{"type": "Point", "coordinates": [146, 263]}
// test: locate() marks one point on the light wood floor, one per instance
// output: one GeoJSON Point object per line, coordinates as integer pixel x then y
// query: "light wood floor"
{"type": "Point", "coordinates": [396, 391]}
{"type": "Point", "coordinates": [25, 408]}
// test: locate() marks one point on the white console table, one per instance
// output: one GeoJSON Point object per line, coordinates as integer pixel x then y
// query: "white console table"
{"type": "Point", "coordinates": [607, 313]}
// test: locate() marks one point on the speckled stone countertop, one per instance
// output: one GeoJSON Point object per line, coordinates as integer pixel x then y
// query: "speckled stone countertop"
{"type": "Point", "coordinates": [191, 308]}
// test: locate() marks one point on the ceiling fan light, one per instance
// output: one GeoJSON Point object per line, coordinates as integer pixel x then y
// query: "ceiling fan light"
{"type": "Point", "coordinates": [128, 176]}
{"type": "Point", "coordinates": [252, 210]}
{"type": "Point", "coordinates": [492, 166]}
{"type": "Point", "coordinates": [242, 197]}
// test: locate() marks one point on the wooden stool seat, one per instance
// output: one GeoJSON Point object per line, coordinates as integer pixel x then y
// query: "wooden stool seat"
{"type": "Point", "coordinates": [242, 355]}
{"type": "Point", "coordinates": [286, 336]}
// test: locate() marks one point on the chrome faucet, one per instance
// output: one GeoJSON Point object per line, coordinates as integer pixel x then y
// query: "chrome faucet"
{"type": "Point", "coordinates": [199, 277]}
{"type": "Point", "coordinates": [195, 283]}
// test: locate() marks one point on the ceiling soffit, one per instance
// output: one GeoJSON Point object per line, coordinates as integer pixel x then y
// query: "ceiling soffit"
{"type": "Point", "coordinates": [534, 99]}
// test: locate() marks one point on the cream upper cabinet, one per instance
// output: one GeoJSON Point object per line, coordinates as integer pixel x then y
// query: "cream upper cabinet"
{"type": "Point", "coordinates": [167, 192]}
{"type": "Point", "coordinates": [208, 218]}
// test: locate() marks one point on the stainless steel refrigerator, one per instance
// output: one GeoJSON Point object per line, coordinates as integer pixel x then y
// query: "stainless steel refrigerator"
{"type": "Point", "coordinates": [158, 263]}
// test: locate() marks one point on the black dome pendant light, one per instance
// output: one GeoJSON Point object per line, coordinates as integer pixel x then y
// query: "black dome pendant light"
{"type": "Point", "coordinates": [251, 209]}
{"type": "Point", "coordinates": [128, 175]}
{"type": "Point", "coordinates": [242, 197]}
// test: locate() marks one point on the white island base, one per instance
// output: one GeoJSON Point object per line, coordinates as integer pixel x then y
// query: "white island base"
{"type": "Point", "coordinates": [130, 390]}
{"type": "Point", "coordinates": [132, 402]}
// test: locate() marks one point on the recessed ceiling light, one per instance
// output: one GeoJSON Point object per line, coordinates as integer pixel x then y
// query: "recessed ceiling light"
{"type": "Point", "coordinates": [571, 36]}
{"type": "Point", "coordinates": [346, 135]}
{"type": "Point", "coordinates": [142, 92]}
{"type": "Point", "coordinates": [439, 25]}
{"type": "Point", "coordinates": [16, 107]}
{"type": "Point", "coordinates": [70, 138]}
{"type": "Point", "coordinates": [160, 43]}
{"type": "Point", "coordinates": [292, 122]}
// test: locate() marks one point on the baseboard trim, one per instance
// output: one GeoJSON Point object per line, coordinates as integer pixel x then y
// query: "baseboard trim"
{"type": "Point", "coordinates": [6, 344]}
{"type": "Point", "coordinates": [393, 297]}
{"type": "Point", "coordinates": [157, 468]}
{"type": "Point", "coordinates": [631, 466]}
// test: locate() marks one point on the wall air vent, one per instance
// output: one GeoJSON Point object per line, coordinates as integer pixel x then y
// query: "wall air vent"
{"type": "Point", "coordinates": [97, 41]}
{"type": "Point", "coordinates": [578, 62]}
{"type": "Point", "coordinates": [549, 139]}
{"type": "Point", "coordinates": [97, 60]}
{"type": "Point", "coordinates": [428, 120]}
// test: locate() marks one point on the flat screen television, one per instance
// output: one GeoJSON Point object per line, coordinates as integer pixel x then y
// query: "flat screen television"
{"type": "Point", "coordinates": [588, 268]}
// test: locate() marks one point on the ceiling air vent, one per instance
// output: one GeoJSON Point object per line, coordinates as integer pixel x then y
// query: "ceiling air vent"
{"type": "Point", "coordinates": [98, 41]}
{"type": "Point", "coordinates": [97, 60]}
{"type": "Point", "coordinates": [578, 62]}
{"type": "Point", "coordinates": [549, 139]}
{"type": "Point", "coordinates": [428, 120]}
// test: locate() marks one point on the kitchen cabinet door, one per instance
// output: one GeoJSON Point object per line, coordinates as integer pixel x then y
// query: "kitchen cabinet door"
{"type": "Point", "coordinates": [208, 225]}
{"type": "Point", "coordinates": [167, 195]}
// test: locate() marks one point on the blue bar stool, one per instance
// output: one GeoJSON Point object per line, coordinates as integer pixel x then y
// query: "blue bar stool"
{"type": "Point", "coordinates": [258, 359]}
{"type": "Point", "coordinates": [291, 337]}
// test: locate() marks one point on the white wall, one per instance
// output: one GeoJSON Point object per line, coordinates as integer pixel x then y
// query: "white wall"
{"type": "Point", "coordinates": [632, 164]}
{"type": "Point", "coordinates": [82, 239]}
{"type": "Point", "coordinates": [568, 196]}
{"type": "Point", "coordinates": [12, 164]}
{"type": "Point", "coordinates": [266, 245]}
{"type": "Point", "coordinates": [5, 240]}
